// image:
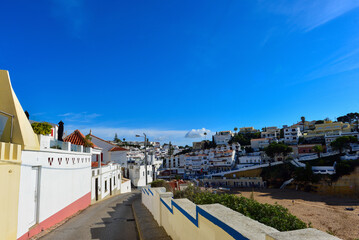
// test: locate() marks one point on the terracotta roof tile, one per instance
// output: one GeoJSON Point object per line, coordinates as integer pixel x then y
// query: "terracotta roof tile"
{"type": "Point", "coordinates": [115, 149]}
{"type": "Point", "coordinates": [78, 138]}
{"type": "Point", "coordinates": [95, 164]}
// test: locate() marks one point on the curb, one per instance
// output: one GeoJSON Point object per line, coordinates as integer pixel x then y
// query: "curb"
{"type": "Point", "coordinates": [140, 234]}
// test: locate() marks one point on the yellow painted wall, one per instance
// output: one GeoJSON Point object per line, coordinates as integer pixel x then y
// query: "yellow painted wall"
{"type": "Point", "coordinates": [180, 227]}
{"type": "Point", "coordinates": [10, 161]}
{"type": "Point", "coordinates": [250, 173]}
{"type": "Point", "coordinates": [10, 156]}
{"type": "Point", "coordinates": [22, 130]}
{"type": "Point", "coordinates": [347, 185]}
{"type": "Point", "coordinates": [208, 230]}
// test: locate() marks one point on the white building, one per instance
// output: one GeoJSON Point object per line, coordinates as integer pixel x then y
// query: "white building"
{"type": "Point", "coordinates": [270, 133]}
{"type": "Point", "coordinates": [137, 174]}
{"type": "Point", "coordinates": [221, 160]}
{"type": "Point", "coordinates": [291, 135]}
{"type": "Point", "coordinates": [107, 180]}
{"type": "Point", "coordinates": [330, 138]}
{"type": "Point", "coordinates": [110, 152]}
{"type": "Point", "coordinates": [250, 159]}
{"type": "Point", "coordinates": [222, 138]}
{"type": "Point", "coordinates": [259, 143]}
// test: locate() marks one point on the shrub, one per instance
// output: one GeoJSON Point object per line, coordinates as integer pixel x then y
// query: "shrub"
{"type": "Point", "coordinates": [41, 128]}
{"type": "Point", "coordinates": [161, 183]}
{"type": "Point", "coordinates": [275, 216]}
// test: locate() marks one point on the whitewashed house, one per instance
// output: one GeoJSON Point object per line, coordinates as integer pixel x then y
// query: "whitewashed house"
{"type": "Point", "coordinates": [292, 134]}
{"type": "Point", "coordinates": [110, 152]}
{"type": "Point", "coordinates": [222, 138]}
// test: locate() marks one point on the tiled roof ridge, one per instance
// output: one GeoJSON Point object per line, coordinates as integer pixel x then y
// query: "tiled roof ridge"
{"type": "Point", "coordinates": [72, 138]}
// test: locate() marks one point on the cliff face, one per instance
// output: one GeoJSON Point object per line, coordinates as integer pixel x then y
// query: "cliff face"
{"type": "Point", "coordinates": [347, 185]}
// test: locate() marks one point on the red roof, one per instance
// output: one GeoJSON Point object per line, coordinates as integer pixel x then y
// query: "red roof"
{"type": "Point", "coordinates": [115, 149]}
{"type": "Point", "coordinates": [173, 184]}
{"type": "Point", "coordinates": [95, 164]}
{"type": "Point", "coordinates": [78, 138]}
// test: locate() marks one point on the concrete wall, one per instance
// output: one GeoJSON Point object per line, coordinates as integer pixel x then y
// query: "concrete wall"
{"type": "Point", "coordinates": [347, 185]}
{"type": "Point", "coordinates": [182, 219]}
{"type": "Point", "coordinates": [125, 185]}
{"type": "Point", "coordinates": [61, 187]}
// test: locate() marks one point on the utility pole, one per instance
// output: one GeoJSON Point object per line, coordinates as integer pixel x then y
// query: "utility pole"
{"type": "Point", "coordinates": [145, 145]}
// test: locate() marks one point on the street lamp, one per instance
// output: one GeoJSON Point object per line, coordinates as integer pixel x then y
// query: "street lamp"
{"type": "Point", "coordinates": [145, 144]}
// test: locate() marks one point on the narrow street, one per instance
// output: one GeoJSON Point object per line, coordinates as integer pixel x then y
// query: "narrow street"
{"type": "Point", "coordinates": [111, 219]}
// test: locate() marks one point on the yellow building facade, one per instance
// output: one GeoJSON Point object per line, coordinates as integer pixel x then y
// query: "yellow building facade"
{"type": "Point", "coordinates": [16, 134]}
{"type": "Point", "coordinates": [328, 127]}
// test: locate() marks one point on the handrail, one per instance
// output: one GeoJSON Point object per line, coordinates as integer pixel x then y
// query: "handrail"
{"type": "Point", "coordinates": [12, 123]}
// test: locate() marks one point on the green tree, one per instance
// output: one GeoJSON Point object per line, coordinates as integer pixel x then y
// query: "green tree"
{"type": "Point", "coordinates": [343, 142]}
{"type": "Point", "coordinates": [41, 128]}
{"type": "Point", "coordinates": [116, 139]}
{"type": "Point", "coordinates": [274, 149]}
{"type": "Point", "coordinates": [318, 149]}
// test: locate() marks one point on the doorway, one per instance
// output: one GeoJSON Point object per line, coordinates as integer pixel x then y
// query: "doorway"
{"type": "Point", "coordinates": [34, 191]}
{"type": "Point", "coordinates": [110, 186]}
{"type": "Point", "coordinates": [96, 188]}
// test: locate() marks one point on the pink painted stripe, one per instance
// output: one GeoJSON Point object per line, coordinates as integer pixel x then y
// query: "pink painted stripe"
{"type": "Point", "coordinates": [61, 215]}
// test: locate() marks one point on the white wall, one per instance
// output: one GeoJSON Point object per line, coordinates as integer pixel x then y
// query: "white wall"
{"type": "Point", "coordinates": [125, 186]}
{"type": "Point", "coordinates": [59, 184]}
{"type": "Point", "coordinates": [137, 175]}
{"type": "Point", "coordinates": [110, 171]}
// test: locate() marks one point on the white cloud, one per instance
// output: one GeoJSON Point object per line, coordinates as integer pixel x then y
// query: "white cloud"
{"type": "Point", "coordinates": [310, 14]}
{"type": "Point", "coordinates": [178, 137]}
{"type": "Point", "coordinates": [108, 133]}
{"type": "Point", "coordinates": [197, 133]}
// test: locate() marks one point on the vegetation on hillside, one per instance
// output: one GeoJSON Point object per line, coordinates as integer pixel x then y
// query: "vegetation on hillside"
{"type": "Point", "coordinates": [244, 138]}
{"type": "Point", "coordinates": [343, 142]}
{"type": "Point", "coordinates": [275, 216]}
{"type": "Point", "coordinates": [161, 183]}
{"type": "Point", "coordinates": [274, 149]}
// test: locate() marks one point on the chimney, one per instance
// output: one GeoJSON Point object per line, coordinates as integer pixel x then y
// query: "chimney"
{"type": "Point", "coordinates": [60, 131]}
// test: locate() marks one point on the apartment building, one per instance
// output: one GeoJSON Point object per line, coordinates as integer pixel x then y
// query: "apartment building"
{"type": "Point", "coordinates": [292, 134]}
{"type": "Point", "coordinates": [270, 133]}
{"type": "Point", "coordinates": [222, 138]}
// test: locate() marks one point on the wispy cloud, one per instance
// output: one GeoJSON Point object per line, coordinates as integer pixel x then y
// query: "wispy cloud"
{"type": "Point", "coordinates": [310, 14]}
{"type": "Point", "coordinates": [82, 117]}
{"type": "Point", "coordinates": [160, 135]}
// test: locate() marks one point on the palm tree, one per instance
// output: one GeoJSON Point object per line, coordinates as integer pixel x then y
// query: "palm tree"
{"type": "Point", "coordinates": [205, 135]}
{"type": "Point", "coordinates": [318, 149]}
{"type": "Point", "coordinates": [303, 121]}
{"type": "Point", "coordinates": [235, 130]}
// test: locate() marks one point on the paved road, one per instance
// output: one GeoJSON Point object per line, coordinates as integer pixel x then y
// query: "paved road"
{"type": "Point", "coordinates": [111, 219]}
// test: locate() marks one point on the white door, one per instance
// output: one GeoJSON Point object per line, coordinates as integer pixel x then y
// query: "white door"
{"type": "Point", "coordinates": [34, 195]}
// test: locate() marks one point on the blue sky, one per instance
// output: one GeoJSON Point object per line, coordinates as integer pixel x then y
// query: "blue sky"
{"type": "Point", "coordinates": [167, 67]}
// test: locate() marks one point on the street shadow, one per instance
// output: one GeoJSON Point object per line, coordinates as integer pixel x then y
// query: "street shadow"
{"type": "Point", "coordinates": [120, 224]}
